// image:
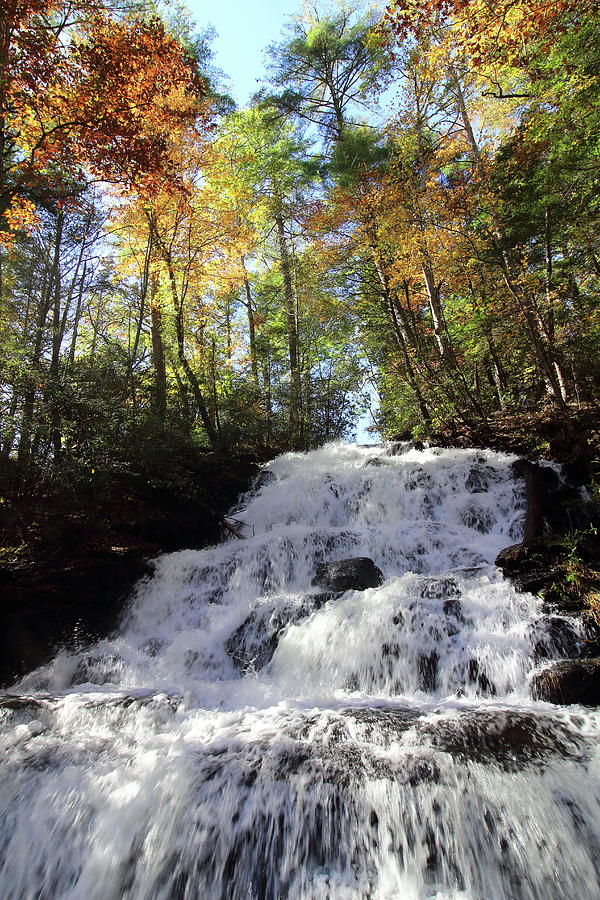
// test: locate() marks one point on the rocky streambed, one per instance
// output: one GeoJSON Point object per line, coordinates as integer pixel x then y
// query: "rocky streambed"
{"type": "Point", "coordinates": [341, 701]}
{"type": "Point", "coordinates": [559, 561]}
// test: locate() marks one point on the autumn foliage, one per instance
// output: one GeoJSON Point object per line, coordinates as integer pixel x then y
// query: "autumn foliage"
{"type": "Point", "coordinates": [179, 274]}
{"type": "Point", "coordinates": [86, 95]}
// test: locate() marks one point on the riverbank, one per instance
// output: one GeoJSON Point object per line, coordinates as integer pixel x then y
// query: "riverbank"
{"type": "Point", "coordinates": [69, 559]}
{"type": "Point", "coordinates": [571, 438]}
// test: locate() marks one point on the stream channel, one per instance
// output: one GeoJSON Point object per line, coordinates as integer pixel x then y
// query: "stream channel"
{"type": "Point", "coordinates": [247, 733]}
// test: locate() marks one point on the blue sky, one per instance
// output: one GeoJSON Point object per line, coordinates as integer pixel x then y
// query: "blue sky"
{"type": "Point", "coordinates": [245, 29]}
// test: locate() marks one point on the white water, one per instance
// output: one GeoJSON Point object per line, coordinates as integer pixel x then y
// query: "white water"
{"type": "Point", "coordinates": [388, 749]}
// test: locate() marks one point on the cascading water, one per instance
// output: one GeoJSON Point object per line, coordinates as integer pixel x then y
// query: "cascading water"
{"type": "Point", "coordinates": [248, 735]}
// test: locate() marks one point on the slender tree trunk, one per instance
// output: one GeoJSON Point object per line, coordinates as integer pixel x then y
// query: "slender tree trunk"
{"type": "Point", "coordinates": [185, 364]}
{"type": "Point", "coordinates": [550, 328]}
{"type": "Point", "coordinates": [77, 317]}
{"type": "Point", "coordinates": [11, 434]}
{"type": "Point", "coordinates": [213, 375]}
{"type": "Point", "coordinates": [532, 327]}
{"type": "Point", "coordinates": [158, 352]}
{"type": "Point", "coordinates": [437, 313]}
{"type": "Point", "coordinates": [266, 372]}
{"type": "Point", "coordinates": [228, 328]}
{"type": "Point", "coordinates": [201, 405]}
{"type": "Point", "coordinates": [144, 285]}
{"type": "Point", "coordinates": [251, 324]}
{"type": "Point", "coordinates": [183, 395]}
{"type": "Point", "coordinates": [401, 326]}
{"type": "Point", "coordinates": [292, 328]}
{"type": "Point", "coordinates": [26, 428]}
{"type": "Point", "coordinates": [57, 333]}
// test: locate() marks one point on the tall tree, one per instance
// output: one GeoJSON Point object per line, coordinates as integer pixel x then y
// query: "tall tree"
{"type": "Point", "coordinates": [325, 68]}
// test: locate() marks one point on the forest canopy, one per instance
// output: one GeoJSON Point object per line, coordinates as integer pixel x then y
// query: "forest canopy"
{"type": "Point", "coordinates": [404, 218]}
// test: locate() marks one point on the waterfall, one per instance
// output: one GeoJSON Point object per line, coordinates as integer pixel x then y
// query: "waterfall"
{"type": "Point", "coordinates": [249, 733]}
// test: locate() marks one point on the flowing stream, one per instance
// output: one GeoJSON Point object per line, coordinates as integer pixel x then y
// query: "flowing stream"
{"type": "Point", "coordinates": [246, 734]}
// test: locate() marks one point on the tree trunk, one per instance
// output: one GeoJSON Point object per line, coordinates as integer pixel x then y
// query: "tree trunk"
{"type": "Point", "coordinates": [26, 428]}
{"type": "Point", "coordinates": [77, 317]}
{"type": "Point", "coordinates": [158, 352]}
{"type": "Point", "coordinates": [57, 333]}
{"type": "Point", "coordinates": [180, 334]}
{"type": "Point", "coordinates": [144, 284]}
{"type": "Point", "coordinates": [292, 329]}
{"type": "Point", "coordinates": [251, 325]}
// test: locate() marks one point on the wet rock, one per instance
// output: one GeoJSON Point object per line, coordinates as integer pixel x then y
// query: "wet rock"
{"type": "Point", "coordinates": [569, 681]}
{"type": "Point", "coordinates": [23, 701]}
{"type": "Point", "coordinates": [428, 671]}
{"type": "Point", "coordinates": [98, 669]}
{"type": "Point", "coordinates": [478, 480]}
{"type": "Point", "coordinates": [376, 461]}
{"type": "Point", "coordinates": [555, 569]}
{"type": "Point", "coordinates": [439, 588]}
{"type": "Point", "coordinates": [142, 697]}
{"type": "Point", "coordinates": [333, 487]}
{"type": "Point", "coordinates": [590, 634]}
{"type": "Point", "coordinates": [264, 477]}
{"type": "Point", "coordinates": [479, 519]}
{"type": "Point", "coordinates": [555, 637]}
{"type": "Point", "coordinates": [152, 647]}
{"type": "Point", "coordinates": [418, 478]}
{"type": "Point", "coordinates": [355, 574]}
{"type": "Point", "coordinates": [252, 645]}
{"type": "Point", "coordinates": [390, 650]}
{"type": "Point", "coordinates": [399, 448]}
{"type": "Point", "coordinates": [454, 608]}
{"type": "Point", "coordinates": [505, 738]}
{"type": "Point", "coordinates": [382, 721]}
{"type": "Point", "coordinates": [530, 566]}
{"type": "Point", "coordinates": [478, 679]}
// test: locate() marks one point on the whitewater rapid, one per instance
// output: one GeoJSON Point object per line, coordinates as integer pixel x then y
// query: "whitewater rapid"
{"type": "Point", "coordinates": [246, 735]}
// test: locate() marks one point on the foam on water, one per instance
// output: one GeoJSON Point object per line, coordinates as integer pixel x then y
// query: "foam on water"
{"type": "Point", "coordinates": [243, 735]}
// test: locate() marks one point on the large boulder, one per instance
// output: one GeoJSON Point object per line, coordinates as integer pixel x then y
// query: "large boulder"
{"type": "Point", "coordinates": [531, 566]}
{"type": "Point", "coordinates": [355, 574]}
{"type": "Point", "coordinates": [569, 681]}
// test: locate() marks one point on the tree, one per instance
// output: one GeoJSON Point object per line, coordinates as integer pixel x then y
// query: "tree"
{"type": "Point", "coordinates": [83, 95]}
{"type": "Point", "coordinates": [278, 170]}
{"type": "Point", "coordinates": [323, 68]}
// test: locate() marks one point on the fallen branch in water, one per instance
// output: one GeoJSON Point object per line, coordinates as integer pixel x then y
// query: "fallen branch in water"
{"type": "Point", "coordinates": [234, 527]}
